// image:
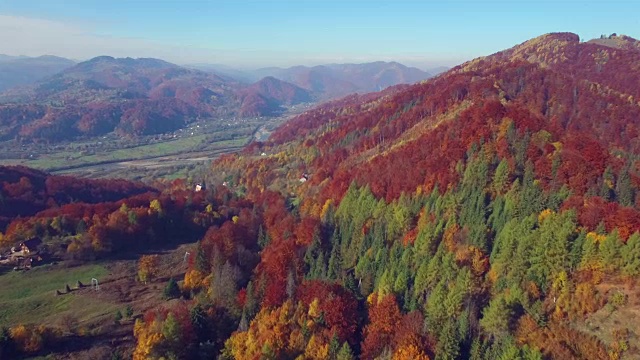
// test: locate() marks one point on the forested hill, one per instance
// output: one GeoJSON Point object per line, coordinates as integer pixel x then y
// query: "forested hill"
{"type": "Point", "coordinates": [133, 97]}
{"type": "Point", "coordinates": [488, 213]}
{"type": "Point", "coordinates": [495, 205]}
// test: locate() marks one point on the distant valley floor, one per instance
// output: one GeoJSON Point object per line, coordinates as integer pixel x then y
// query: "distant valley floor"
{"type": "Point", "coordinates": [180, 154]}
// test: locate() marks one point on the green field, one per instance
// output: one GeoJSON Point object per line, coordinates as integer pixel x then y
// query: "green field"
{"type": "Point", "coordinates": [65, 159]}
{"type": "Point", "coordinates": [29, 297]}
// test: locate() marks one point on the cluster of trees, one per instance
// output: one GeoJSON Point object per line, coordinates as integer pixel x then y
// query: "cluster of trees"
{"type": "Point", "coordinates": [493, 267]}
{"type": "Point", "coordinates": [85, 219]}
{"type": "Point", "coordinates": [26, 339]}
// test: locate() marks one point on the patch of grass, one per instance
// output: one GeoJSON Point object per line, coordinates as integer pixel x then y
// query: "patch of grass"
{"type": "Point", "coordinates": [174, 147]}
{"type": "Point", "coordinates": [29, 297]}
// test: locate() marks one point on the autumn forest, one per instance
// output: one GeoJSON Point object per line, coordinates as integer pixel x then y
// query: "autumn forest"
{"type": "Point", "coordinates": [490, 212]}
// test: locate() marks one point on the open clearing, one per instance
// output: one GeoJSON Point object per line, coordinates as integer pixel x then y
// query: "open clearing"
{"type": "Point", "coordinates": [30, 298]}
{"type": "Point", "coordinates": [603, 322]}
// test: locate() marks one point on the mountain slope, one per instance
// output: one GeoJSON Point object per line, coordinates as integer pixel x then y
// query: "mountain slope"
{"type": "Point", "coordinates": [20, 71]}
{"type": "Point", "coordinates": [267, 95]}
{"type": "Point", "coordinates": [494, 205]}
{"type": "Point", "coordinates": [567, 92]}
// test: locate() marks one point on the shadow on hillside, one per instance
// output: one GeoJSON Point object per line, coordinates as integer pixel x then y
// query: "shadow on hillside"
{"type": "Point", "coordinates": [111, 339]}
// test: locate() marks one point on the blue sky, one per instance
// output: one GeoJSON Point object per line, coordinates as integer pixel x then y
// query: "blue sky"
{"type": "Point", "coordinates": [265, 33]}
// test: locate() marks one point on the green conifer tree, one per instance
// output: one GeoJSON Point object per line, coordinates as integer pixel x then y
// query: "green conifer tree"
{"type": "Point", "coordinates": [345, 352]}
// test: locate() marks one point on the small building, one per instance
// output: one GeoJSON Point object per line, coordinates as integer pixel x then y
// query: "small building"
{"type": "Point", "coordinates": [23, 255]}
{"type": "Point", "coordinates": [304, 178]}
{"type": "Point", "coordinates": [30, 245]}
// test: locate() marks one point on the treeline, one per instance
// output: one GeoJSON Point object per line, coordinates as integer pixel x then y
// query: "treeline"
{"type": "Point", "coordinates": [25, 192]}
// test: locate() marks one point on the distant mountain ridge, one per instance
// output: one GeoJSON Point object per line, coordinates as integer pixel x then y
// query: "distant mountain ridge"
{"type": "Point", "coordinates": [132, 97]}
{"type": "Point", "coordinates": [336, 80]}
{"type": "Point", "coordinates": [148, 96]}
{"type": "Point", "coordinates": [22, 70]}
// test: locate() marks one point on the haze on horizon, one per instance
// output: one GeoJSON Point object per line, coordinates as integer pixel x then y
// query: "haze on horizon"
{"type": "Point", "coordinates": [252, 34]}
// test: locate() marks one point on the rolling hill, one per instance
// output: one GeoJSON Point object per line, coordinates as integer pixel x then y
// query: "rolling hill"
{"type": "Point", "coordinates": [131, 97]}
{"type": "Point", "coordinates": [269, 94]}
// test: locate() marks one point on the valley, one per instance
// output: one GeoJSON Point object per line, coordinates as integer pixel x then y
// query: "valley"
{"type": "Point", "coordinates": [177, 154]}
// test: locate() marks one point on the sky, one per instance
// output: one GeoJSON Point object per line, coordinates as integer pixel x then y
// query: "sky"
{"type": "Point", "coordinates": [252, 34]}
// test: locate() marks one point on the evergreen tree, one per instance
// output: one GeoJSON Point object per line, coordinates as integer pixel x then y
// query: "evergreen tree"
{"type": "Point", "coordinates": [590, 254]}
{"type": "Point", "coordinates": [319, 268]}
{"type": "Point", "coordinates": [312, 254]}
{"type": "Point", "coordinates": [401, 283]}
{"type": "Point", "coordinates": [291, 284]}
{"type": "Point", "coordinates": [251, 303]}
{"type": "Point", "coordinates": [117, 317]}
{"type": "Point", "coordinates": [496, 318]}
{"type": "Point", "coordinates": [334, 269]}
{"type": "Point", "coordinates": [334, 346]}
{"type": "Point", "coordinates": [81, 228]}
{"type": "Point", "coordinates": [550, 253]}
{"type": "Point", "coordinates": [631, 256]}
{"type": "Point", "coordinates": [345, 352]}
{"type": "Point", "coordinates": [624, 190]}
{"type": "Point", "coordinates": [610, 249]}
{"type": "Point", "coordinates": [531, 354]}
{"type": "Point", "coordinates": [477, 350]}
{"type": "Point", "coordinates": [128, 312]}
{"type": "Point", "coordinates": [202, 263]}
{"type": "Point", "coordinates": [509, 351]}
{"type": "Point", "coordinates": [172, 290]}
{"type": "Point", "coordinates": [200, 322]}
{"type": "Point", "coordinates": [501, 177]}
{"type": "Point", "coordinates": [606, 187]}
{"type": "Point", "coordinates": [172, 332]}
{"type": "Point", "coordinates": [244, 323]}
{"type": "Point", "coordinates": [531, 195]}
{"type": "Point", "coordinates": [575, 254]}
{"type": "Point", "coordinates": [448, 347]}
{"type": "Point", "coordinates": [351, 284]}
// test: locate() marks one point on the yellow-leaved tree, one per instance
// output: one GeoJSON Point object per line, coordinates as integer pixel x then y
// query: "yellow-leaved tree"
{"type": "Point", "coordinates": [147, 268]}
